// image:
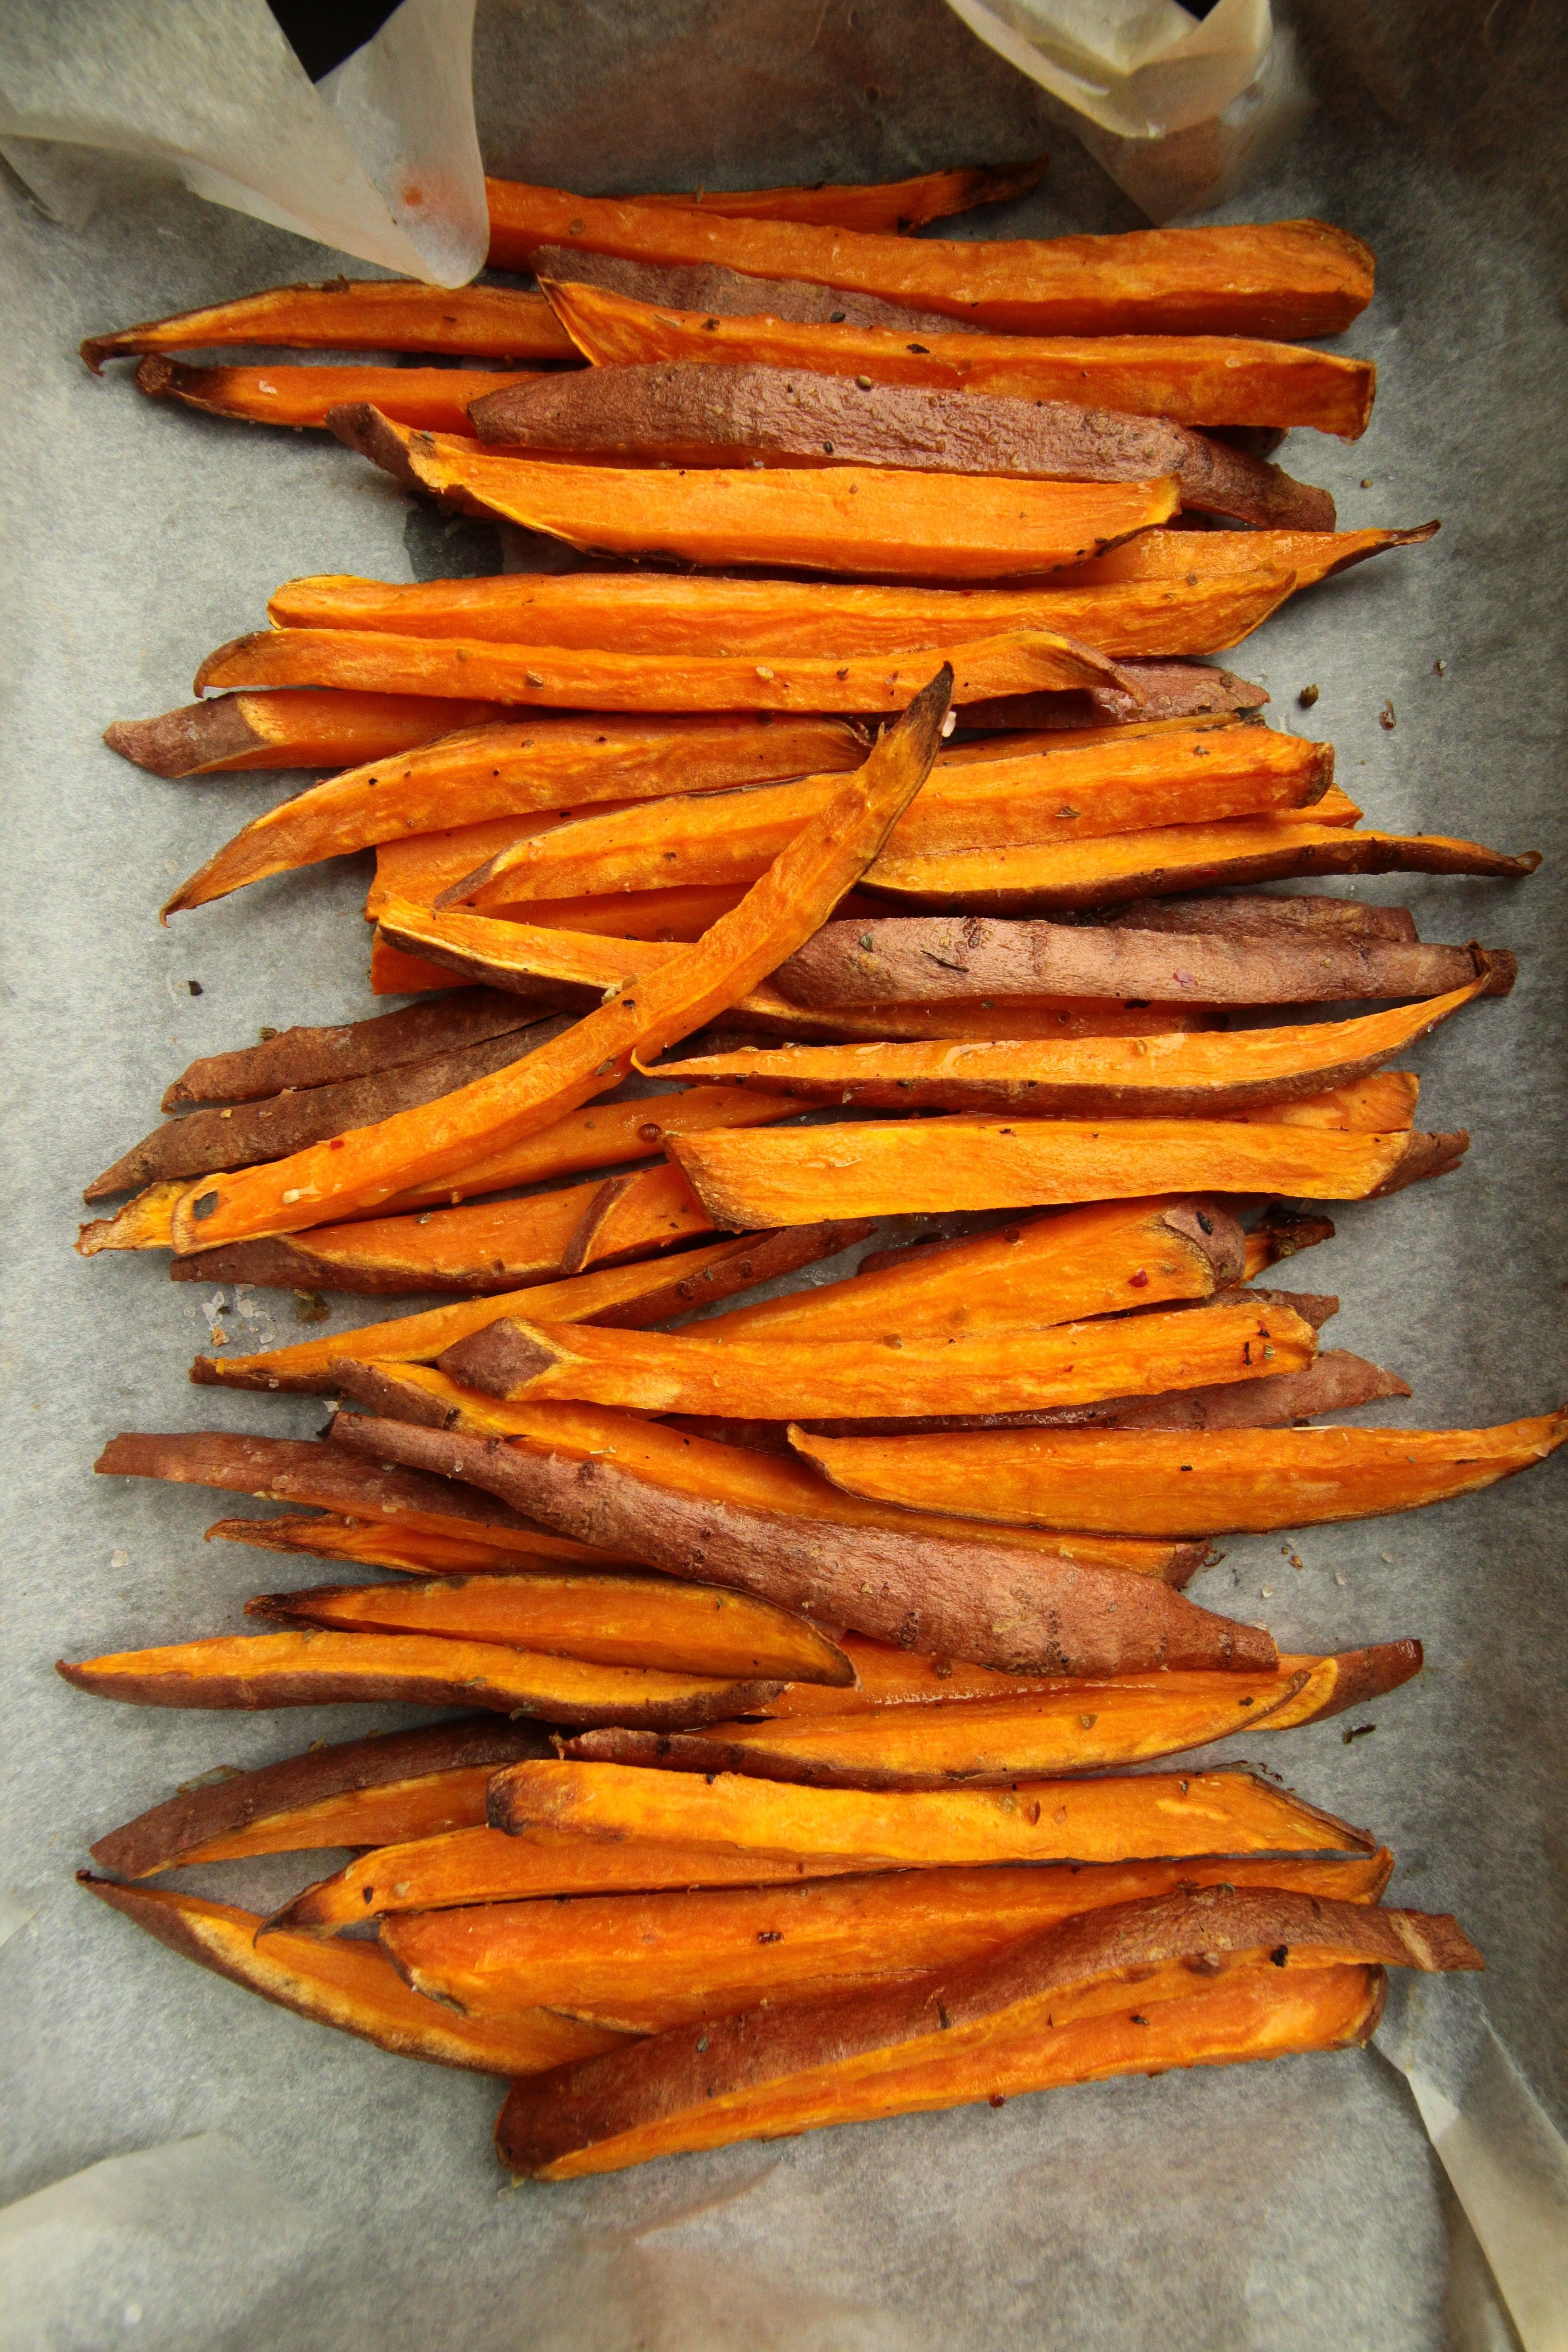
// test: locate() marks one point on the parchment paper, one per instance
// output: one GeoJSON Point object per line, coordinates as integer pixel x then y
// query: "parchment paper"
{"type": "Point", "coordinates": [257, 2180]}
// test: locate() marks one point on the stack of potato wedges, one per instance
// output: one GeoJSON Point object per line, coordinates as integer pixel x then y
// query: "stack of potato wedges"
{"type": "Point", "coordinates": [858, 829]}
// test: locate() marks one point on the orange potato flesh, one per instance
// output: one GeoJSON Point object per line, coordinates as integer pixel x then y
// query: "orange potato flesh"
{"type": "Point", "coordinates": [1192, 378]}
{"type": "Point", "coordinates": [1165, 778]}
{"type": "Point", "coordinates": [886, 1677]}
{"type": "Point", "coordinates": [411, 1551]}
{"type": "Point", "coordinates": [613, 1621]}
{"type": "Point", "coordinates": [514, 768]}
{"type": "Point", "coordinates": [484, 1866]}
{"type": "Point", "coordinates": [401, 1810]}
{"type": "Point", "coordinates": [297, 727]}
{"type": "Point", "coordinates": [383, 314]}
{"type": "Point", "coordinates": [932, 1166]}
{"type": "Point", "coordinates": [656, 1959]}
{"type": "Point", "coordinates": [1087, 1261]}
{"type": "Point", "coordinates": [777, 915]}
{"type": "Point", "coordinates": [323, 1669]}
{"type": "Point", "coordinates": [1286, 1074]}
{"type": "Point", "coordinates": [1291, 278]}
{"type": "Point", "coordinates": [1135, 1818]}
{"type": "Point", "coordinates": [435, 398]}
{"type": "Point", "coordinates": [1254, 2013]}
{"type": "Point", "coordinates": [734, 1473]}
{"type": "Point", "coordinates": [1197, 557]}
{"type": "Point", "coordinates": [759, 618]}
{"type": "Point", "coordinates": [373, 661]}
{"type": "Point", "coordinates": [1203, 1482]}
{"type": "Point", "coordinates": [350, 1985]}
{"type": "Point", "coordinates": [885, 207]}
{"type": "Point", "coordinates": [854, 520]}
{"type": "Point", "coordinates": [991, 1369]}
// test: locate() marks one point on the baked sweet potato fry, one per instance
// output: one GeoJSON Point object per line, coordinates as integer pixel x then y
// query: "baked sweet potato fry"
{"type": "Point", "coordinates": [777, 915]}
{"type": "Point", "coordinates": [935, 1165]}
{"type": "Point", "coordinates": [1160, 690]}
{"type": "Point", "coordinates": [362, 1792]}
{"type": "Point", "coordinates": [696, 1468]}
{"type": "Point", "coordinates": [719, 292]}
{"type": "Point", "coordinates": [1292, 277]}
{"type": "Point", "coordinates": [886, 207]}
{"type": "Point", "coordinates": [1137, 1817]}
{"type": "Point", "coordinates": [1097, 873]}
{"type": "Point", "coordinates": [1276, 917]}
{"type": "Point", "coordinates": [661, 1958]}
{"type": "Point", "coordinates": [606, 1619]}
{"type": "Point", "coordinates": [628, 1296]}
{"type": "Point", "coordinates": [496, 1245]}
{"type": "Point", "coordinates": [289, 1058]}
{"type": "Point", "coordinates": [1199, 557]}
{"type": "Point", "coordinates": [1158, 776]}
{"type": "Point", "coordinates": [484, 1866]}
{"type": "Point", "coordinates": [435, 398]}
{"type": "Point", "coordinates": [855, 520]}
{"type": "Point", "coordinates": [671, 614]}
{"type": "Point", "coordinates": [1082, 1262]}
{"type": "Point", "coordinates": [681, 414]}
{"type": "Point", "coordinates": [1194, 379]}
{"type": "Point", "coordinates": [372, 659]}
{"type": "Point", "coordinates": [518, 768]}
{"type": "Point", "coordinates": [257, 1132]}
{"type": "Point", "coordinates": [1211, 1075]}
{"type": "Point", "coordinates": [987, 1370]}
{"type": "Point", "coordinates": [382, 314]}
{"type": "Point", "coordinates": [295, 728]}
{"type": "Point", "coordinates": [926, 1593]}
{"type": "Point", "coordinates": [1202, 1482]}
{"type": "Point", "coordinates": [332, 1478]}
{"type": "Point", "coordinates": [349, 1984]}
{"type": "Point", "coordinates": [932, 956]}
{"type": "Point", "coordinates": [1055, 2008]}
{"type": "Point", "coordinates": [325, 1669]}
{"type": "Point", "coordinates": [1281, 1232]}
{"type": "Point", "coordinates": [1082, 1727]}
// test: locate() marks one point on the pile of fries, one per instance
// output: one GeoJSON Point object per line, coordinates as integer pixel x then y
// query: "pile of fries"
{"type": "Point", "coordinates": [807, 1651]}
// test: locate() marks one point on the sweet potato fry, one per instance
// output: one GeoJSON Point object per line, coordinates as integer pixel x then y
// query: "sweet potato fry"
{"type": "Point", "coordinates": [1176, 857]}
{"type": "Point", "coordinates": [1160, 690]}
{"type": "Point", "coordinates": [931, 957]}
{"type": "Point", "coordinates": [607, 1620]}
{"type": "Point", "coordinates": [1280, 1233]}
{"type": "Point", "coordinates": [299, 1470]}
{"type": "Point", "coordinates": [1208, 1482]}
{"type": "Point", "coordinates": [291, 1058]}
{"type": "Point", "coordinates": [1194, 379]}
{"type": "Point", "coordinates": [371, 659]}
{"type": "Point", "coordinates": [988, 1370]}
{"type": "Point", "coordinates": [496, 1245]}
{"type": "Point", "coordinates": [778, 914]}
{"type": "Point", "coordinates": [718, 292]}
{"type": "Point", "coordinates": [936, 1165]}
{"type": "Point", "coordinates": [1134, 1818]}
{"type": "Point", "coordinates": [349, 1984]}
{"type": "Point", "coordinates": [762, 618]}
{"type": "Point", "coordinates": [1293, 278]}
{"type": "Point", "coordinates": [435, 398]}
{"type": "Point", "coordinates": [630, 1297]}
{"type": "Point", "coordinates": [325, 1669]}
{"type": "Point", "coordinates": [1084, 1262]}
{"type": "Point", "coordinates": [1155, 777]}
{"type": "Point", "coordinates": [1082, 1727]}
{"type": "Point", "coordinates": [404, 1784]}
{"type": "Point", "coordinates": [257, 1131]}
{"type": "Point", "coordinates": [1203, 556]}
{"type": "Point", "coordinates": [1214, 1075]}
{"type": "Point", "coordinates": [295, 728]}
{"type": "Point", "coordinates": [410, 1551]}
{"type": "Point", "coordinates": [886, 207]}
{"type": "Point", "coordinates": [518, 768]}
{"type": "Point", "coordinates": [662, 1959]}
{"type": "Point", "coordinates": [1274, 916]}
{"type": "Point", "coordinates": [927, 1592]}
{"type": "Point", "coordinates": [484, 1866]}
{"type": "Point", "coordinates": [699, 1469]}
{"type": "Point", "coordinates": [384, 314]}
{"type": "Point", "coordinates": [680, 414]}
{"type": "Point", "coordinates": [854, 520]}
{"type": "Point", "coordinates": [1055, 2008]}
